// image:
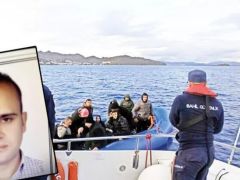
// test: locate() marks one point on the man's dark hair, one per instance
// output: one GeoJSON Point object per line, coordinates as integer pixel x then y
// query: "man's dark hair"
{"type": "Point", "coordinates": [69, 117]}
{"type": "Point", "coordinates": [4, 78]}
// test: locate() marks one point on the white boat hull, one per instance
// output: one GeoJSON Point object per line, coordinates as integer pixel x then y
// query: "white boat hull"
{"type": "Point", "coordinates": [118, 165]}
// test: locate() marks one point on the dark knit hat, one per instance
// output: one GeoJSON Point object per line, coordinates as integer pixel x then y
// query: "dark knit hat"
{"type": "Point", "coordinates": [197, 76]}
{"type": "Point", "coordinates": [114, 104]}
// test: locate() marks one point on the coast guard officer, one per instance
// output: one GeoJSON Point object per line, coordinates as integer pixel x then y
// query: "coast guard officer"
{"type": "Point", "coordinates": [197, 114]}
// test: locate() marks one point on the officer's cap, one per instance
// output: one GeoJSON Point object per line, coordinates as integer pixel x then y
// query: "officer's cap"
{"type": "Point", "coordinates": [197, 76]}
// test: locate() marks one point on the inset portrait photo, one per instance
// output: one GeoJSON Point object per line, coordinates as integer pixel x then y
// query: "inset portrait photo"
{"type": "Point", "coordinates": [25, 141]}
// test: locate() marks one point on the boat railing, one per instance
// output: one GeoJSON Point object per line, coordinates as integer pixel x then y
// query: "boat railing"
{"type": "Point", "coordinates": [110, 138]}
{"type": "Point", "coordinates": [233, 148]}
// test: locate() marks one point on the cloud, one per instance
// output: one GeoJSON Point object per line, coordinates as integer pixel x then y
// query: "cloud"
{"type": "Point", "coordinates": [122, 23]}
{"type": "Point", "coordinates": [232, 21]}
{"type": "Point", "coordinates": [155, 29]}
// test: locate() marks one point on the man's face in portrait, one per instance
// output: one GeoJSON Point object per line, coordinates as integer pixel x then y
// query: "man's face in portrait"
{"type": "Point", "coordinates": [12, 123]}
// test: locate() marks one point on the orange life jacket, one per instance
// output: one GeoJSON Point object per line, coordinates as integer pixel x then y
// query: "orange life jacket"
{"type": "Point", "coordinates": [200, 89]}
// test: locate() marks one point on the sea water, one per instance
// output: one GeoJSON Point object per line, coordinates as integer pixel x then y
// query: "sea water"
{"type": "Point", "coordinates": [72, 84]}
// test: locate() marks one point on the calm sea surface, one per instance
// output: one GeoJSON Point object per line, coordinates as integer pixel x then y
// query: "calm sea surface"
{"type": "Point", "coordinates": [71, 85]}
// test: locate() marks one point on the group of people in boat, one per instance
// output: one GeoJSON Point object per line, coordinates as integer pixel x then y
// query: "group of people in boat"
{"type": "Point", "coordinates": [123, 119]}
{"type": "Point", "coordinates": [196, 113]}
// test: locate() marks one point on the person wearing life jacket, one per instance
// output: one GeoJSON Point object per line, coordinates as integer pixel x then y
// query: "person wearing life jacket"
{"type": "Point", "coordinates": [95, 129]}
{"type": "Point", "coordinates": [143, 113]}
{"type": "Point", "coordinates": [114, 106]}
{"type": "Point", "coordinates": [117, 124]}
{"type": "Point", "coordinates": [127, 103]}
{"type": "Point", "coordinates": [197, 114]}
{"type": "Point", "coordinates": [63, 131]}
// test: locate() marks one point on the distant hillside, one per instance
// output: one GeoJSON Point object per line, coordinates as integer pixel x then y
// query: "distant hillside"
{"type": "Point", "coordinates": [58, 58]}
{"type": "Point", "coordinates": [216, 63]}
{"type": "Point", "coordinates": [186, 64]}
{"type": "Point", "coordinates": [225, 63]}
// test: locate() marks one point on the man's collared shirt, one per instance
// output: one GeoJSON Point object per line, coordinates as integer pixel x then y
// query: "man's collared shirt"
{"type": "Point", "coordinates": [29, 167]}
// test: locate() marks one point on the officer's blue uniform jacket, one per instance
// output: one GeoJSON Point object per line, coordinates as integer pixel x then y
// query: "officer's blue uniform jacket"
{"type": "Point", "coordinates": [50, 105]}
{"type": "Point", "coordinates": [186, 107]}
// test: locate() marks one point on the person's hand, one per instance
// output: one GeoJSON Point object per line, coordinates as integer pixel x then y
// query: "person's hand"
{"type": "Point", "coordinates": [109, 130]}
{"type": "Point", "coordinates": [95, 149]}
{"type": "Point", "coordinates": [151, 117]}
{"type": "Point", "coordinates": [80, 130]}
{"type": "Point", "coordinates": [135, 119]}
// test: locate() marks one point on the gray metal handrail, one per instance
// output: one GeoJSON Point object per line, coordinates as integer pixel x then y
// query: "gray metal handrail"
{"type": "Point", "coordinates": [234, 146]}
{"type": "Point", "coordinates": [135, 136]}
{"type": "Point", "coordinates": [109, 137]}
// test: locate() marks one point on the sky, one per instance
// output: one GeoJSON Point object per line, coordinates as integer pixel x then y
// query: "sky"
{"type": "Point", "coordinates": [165, 30]}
